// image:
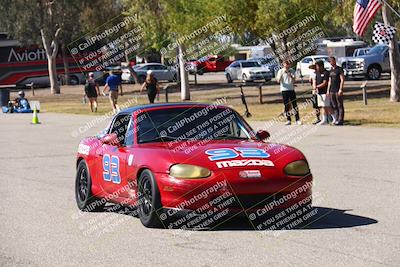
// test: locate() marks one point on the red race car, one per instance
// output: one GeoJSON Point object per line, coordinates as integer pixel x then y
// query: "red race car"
{"type": "Point", "coordinates": [195, 162]}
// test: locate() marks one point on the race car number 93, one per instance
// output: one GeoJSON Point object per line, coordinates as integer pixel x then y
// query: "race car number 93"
{"type": "Point", "coordinates": [111, 169]}
{"type": "Point", "coordinates": [227, 153]}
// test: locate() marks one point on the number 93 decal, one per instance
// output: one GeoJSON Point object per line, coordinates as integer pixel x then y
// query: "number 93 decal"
{"type": "Point", "coordinates": [228, 153]}
{"type": "Point", "coordinates": [111, 169]}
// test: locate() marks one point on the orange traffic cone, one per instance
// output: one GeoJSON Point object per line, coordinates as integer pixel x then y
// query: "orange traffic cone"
{"type": "Point", "coordinates": [35, 118]}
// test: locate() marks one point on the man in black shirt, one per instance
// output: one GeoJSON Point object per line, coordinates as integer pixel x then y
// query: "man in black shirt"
{"type": "Point", "coordinates": [321, 85]}
{"type": "Point", "coordinates": [335, 91]}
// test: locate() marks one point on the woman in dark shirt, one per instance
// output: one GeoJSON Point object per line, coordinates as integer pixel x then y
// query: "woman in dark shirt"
{"type": "Point", "coordinates": [92, 91]}
{"type": "Point", "coordinates": [321, 85]}
{"type": "Point", "coordinates": [151, 86]}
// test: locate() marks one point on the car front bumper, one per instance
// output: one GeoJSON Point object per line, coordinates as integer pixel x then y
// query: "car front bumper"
{"type": "Point", "coordinates": [238, 194]}
{"type": "Point", "coordinates": [260, 76]}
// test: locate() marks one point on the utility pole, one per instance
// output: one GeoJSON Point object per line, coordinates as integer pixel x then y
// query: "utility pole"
{"type": "Point", "coordinates": [394, 57]}
{"type": "Point", "coordinates": [184, 79]}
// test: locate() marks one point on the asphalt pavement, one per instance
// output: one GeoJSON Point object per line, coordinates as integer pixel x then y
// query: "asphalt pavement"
{"type": "Point", "coordinates": [356, 192]}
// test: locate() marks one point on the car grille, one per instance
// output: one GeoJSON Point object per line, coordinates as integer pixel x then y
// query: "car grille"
{"type": "Point", "coordinates": [353, 65]}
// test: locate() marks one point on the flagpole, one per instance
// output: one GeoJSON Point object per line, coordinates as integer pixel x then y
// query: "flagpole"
{"type": "Point", "coordinates": [394, 11]}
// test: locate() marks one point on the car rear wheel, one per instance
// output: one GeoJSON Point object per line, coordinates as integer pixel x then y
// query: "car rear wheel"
{"type": "Point", "coordinates": [149, 200]}
{"type": "Point", "coordinates": [229, 78]}
{"type": "Point", "coordinates": [374, 72]}
{"type": "Point", "coordinates": [85, 199]}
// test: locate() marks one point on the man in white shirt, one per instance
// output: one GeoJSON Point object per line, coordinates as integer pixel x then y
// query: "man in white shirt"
{"type": "Point", "coordinates": [286, 78]}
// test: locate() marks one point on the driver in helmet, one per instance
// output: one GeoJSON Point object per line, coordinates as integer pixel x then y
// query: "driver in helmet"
{"type": "Point", "coordinates": [20, 103]}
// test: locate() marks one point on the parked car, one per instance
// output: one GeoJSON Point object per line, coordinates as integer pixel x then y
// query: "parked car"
{"type": "Point", "coordinates": [126, 76]}
{"type": "Point", "coordinates": [160, 71]}
{"type": "Point", "coordinates": [269, 63]}
{"type": "Point", "coordinates": [303, 66]}
{"type": "Point", "coordinates": [247, 70]}
{"type": "Point", "coordinates": [207, 64]}
{"type": "Point", "coordinates": [370, 65]}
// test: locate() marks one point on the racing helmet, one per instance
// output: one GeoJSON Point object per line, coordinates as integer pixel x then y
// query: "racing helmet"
{"type": "Point", "coordinates": [21, 93]}
{"type": "Point", "coordinates": [149, 72]}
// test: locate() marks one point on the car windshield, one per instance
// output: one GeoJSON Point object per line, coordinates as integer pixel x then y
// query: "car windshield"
{"type": "Point", "coordinates": [325, 59]}
{"type": "Point", "coordinates": [378, 49]}
{"type": "Point", "coordinates": [265, 61]}
{"type": "Point", "coordinates": [250, 64]}
{"type": "Point", "coordinates": [194, 123]}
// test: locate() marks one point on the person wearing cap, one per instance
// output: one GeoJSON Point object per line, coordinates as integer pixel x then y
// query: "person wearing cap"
{"type": "Point", "coordinates": [314, 97]}
{"type": "Point", "coordinates": [113, 83]}
{"type": "Point", "coordinates": [321, 87]}
{"type": "Point", "coordinates": [151, 86]}
{"type": "Point", "coordinates": [335, 91]}
{"type": "Point", "coordinates": [19, 104]}
{"type": "Point", "coordinates": [92, 91]}
{"type": "Point", "coordinates": [286, 78]}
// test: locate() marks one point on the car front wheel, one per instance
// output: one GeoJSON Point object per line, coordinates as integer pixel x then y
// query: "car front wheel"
{"type": "Point", "coordinates": [149, 206]}
{"type": "Point", "coordinates": [374, 73]}
{"type": "Point", "coordinates": [229, 78]}
{"type": "Point", "coordinates": [85, 199]}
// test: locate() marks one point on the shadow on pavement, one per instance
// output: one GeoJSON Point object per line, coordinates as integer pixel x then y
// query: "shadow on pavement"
{"type": "Point", "coordinates": [324, 218]}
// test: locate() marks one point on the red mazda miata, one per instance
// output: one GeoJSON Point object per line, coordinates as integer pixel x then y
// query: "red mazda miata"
{"type": "Point", "coordinates": [165, 159]}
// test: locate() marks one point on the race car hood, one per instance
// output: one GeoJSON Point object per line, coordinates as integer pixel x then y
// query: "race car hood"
{"type": "Point", "coordinates": [226, 154]}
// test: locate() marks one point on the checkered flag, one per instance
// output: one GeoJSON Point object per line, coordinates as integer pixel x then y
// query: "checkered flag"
{"type": "Point", "coordinates": [383, 34]}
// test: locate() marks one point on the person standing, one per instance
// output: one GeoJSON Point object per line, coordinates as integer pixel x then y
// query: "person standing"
{"type": "Point", "coordinates": [113, 83]}
{"type": "Point", "coordinates": [286, 78]}
{"type": "Point", "coordinates": [92, 91]}
{"type": "Point", "coordinates": [335, 91]}
{"type": "Point", "coordinates": [314, 97]}
{"type": "Point", "coordinates": [321, 86]}
{"type": "Point", "coordinates": [151, 86]}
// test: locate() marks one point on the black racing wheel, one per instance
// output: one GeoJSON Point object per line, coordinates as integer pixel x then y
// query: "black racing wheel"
{"type": "Point", "coordinates": [149, 206]}
{"type": "Point", "coordinates": [83, 190]}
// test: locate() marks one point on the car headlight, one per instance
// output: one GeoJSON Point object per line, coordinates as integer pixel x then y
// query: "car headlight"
{"type": "Point", "coordinates": [188, 171]}
{"type": "Point", "coordinates": [297, 168]}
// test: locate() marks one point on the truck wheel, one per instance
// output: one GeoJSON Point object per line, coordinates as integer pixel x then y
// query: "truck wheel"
{"type": "Point", "coordinates": [374, 72]}
{"type": "Point", "coordinates": [83, 190]}
{"type": "Point", "coordinates": [229, 78]}
{"type": "Point", "coordinates": [149, 200]}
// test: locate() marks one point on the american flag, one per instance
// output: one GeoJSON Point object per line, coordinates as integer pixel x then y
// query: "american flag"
{"type": "Point", "coordinates": [364, 12]}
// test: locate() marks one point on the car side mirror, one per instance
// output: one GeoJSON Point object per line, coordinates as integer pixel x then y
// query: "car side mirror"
{"type": "Point", "coordinates": [110, 139]}
{"type": "Point", "coordinates": [263, 135]}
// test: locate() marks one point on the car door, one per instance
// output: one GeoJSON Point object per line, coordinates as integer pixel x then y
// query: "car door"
{"type": "Point", "coordinates": [113, 158]}
{"type": "Point", "coordinates": [235, 67]}
{"type": "Point", "coordinates": [164, 72]}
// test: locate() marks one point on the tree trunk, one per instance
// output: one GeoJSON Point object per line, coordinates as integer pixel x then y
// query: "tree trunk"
{"type": "Point", "coordinates": [51, 53]}
{"type": "Point", "coordinates": [394, 57]}
{"type": "Point", "coordinates": [54, 85]}
{"type": "Point", "coordinates": [185, 93]}
{"type": "Point", "coordinates": [66, 64]}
